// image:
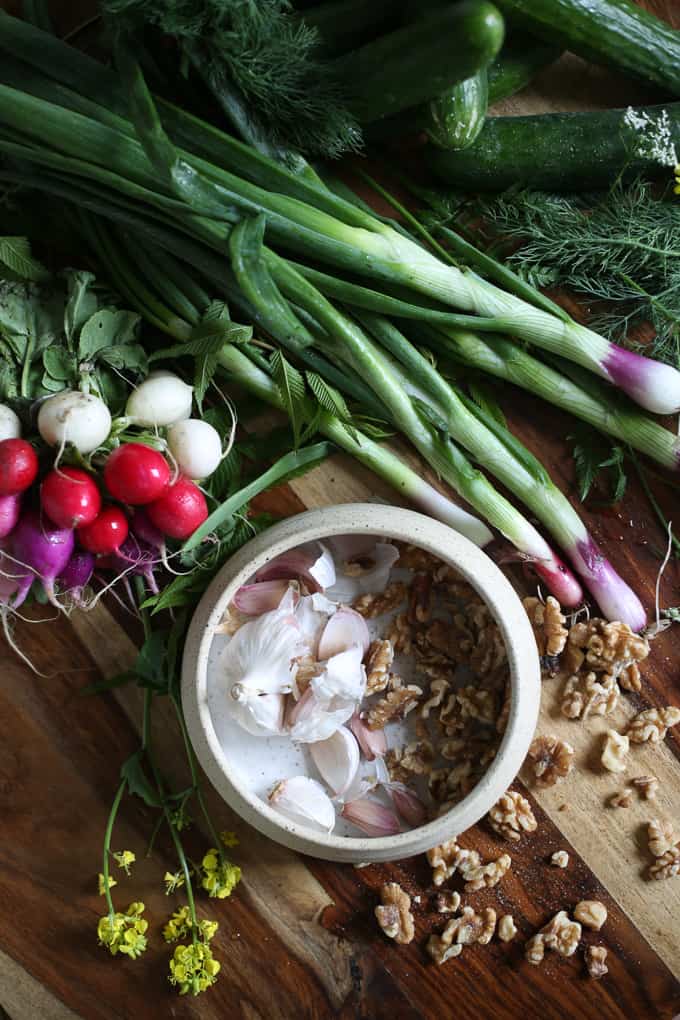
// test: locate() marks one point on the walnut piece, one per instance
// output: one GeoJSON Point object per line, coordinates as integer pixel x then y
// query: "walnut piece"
{"type": "Point", "coordinates": [307, 668]}
{"type": "Point", "coordinates": [420, 599]}
{"type": "Point", "coordinates": [623, 799]}
{"type": "Point", "coordinates": [438, 689]}
{"type": "Point", "coordinates": [590, 693]}
{"type": "Point", "coordinates": [652, 724]}
{"type": "Point", "coordinates": [551, 760]}
{"type": "Point", "coordinates": [461, 931]}
{"type": "Point", "coordinates": [414, 759]}
{"type": "Point", "coordinates": [394, 913]}
{"type": "Point", "coordinates": [547, 623]}
{"type": "Point", "coordinates": [560, 859]}
{"type": "Point", "coordinates": [512, 815]}
{"type": "Point", "coordinates": [559, 934]}
{"type": "Point", "coordinates": [411, 557]}
{"type": "Point", "coordinates": [608, 648]}
{"type": "Point", "coordinates": [534, 950]}
{"type": "Point", "coordinates": [481, 876]}
{"type": "Point", "coordinates": [595, 957]}
{"type": "Point", "coordinates": [443, 859]}
{"type": "Point", "coordinates": [377, 603]}
{"type": "Point", "coordinates": [590, 913]}
{"type": "Point", "coordinates": [446, 901]}
{"type": "Point", "coordinates": [660, 837]}
{"type": "Point", "coordinates": [647, 785]}
{"type": "Point", "coordinates": [506, 928]}
{"type": "Point", "coordinates": [395, 705]}
{"type": "Point", "coordinates": [615, 751]}
{"type": "Point", "coordinates": [379, 658]}
{"type": "Point", "coordinates": [666, 866]}
{"type": "Point", "coordinates": [400, 634]}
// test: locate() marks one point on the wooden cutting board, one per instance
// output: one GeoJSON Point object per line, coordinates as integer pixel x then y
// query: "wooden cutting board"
{"type": "Point", "coordinates": [298, 939]}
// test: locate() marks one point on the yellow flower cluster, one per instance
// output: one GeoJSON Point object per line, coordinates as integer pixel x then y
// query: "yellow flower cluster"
{"type": "Point", "coordinates": [676, 189]}
{"type": "Point", "coordinates": [124, 858]}
{"type": "Point", "coordinates": [219, 877]}
{"type": "Point", "coordinates": [180, 925]}
{"type": "Point", "coordinates": [230, 839]}
{"type": "Point", "coordinates": [124, 933]}
{"type": "Point", "coordinates": [173, 881]}
{"type": "Point", "coordinates": [102, 883]}
{"type": "Point", "coordinates": [193, 968]}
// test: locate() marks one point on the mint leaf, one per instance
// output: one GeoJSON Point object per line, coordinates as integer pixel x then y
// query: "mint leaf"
{"type": "Point", "coordinates": [291, 387]}
{"type": "Point", "coordinates": [80, 305]}
{"type": "Point", "coordinates": [106, 328]}
{"type": "Point", "coordinates": [15, 255]}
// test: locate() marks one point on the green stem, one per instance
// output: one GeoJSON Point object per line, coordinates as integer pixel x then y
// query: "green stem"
{"type": "Point", "coordinates": [107, 845]}
{"type": "Point", "coordinates": [26, 368]}
{"type": "Point", "coordinates": [195, 779]}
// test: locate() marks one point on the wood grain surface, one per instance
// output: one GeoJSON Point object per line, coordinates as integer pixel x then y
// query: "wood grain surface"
{"type": "Point", "coordinates": [298, 939]}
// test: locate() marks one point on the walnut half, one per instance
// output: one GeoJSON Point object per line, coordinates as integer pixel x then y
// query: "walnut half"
{"type": "Point", "coordinates": [550, 759]}
{"type": "Point", "coordinates": [559, 934]}
{"type": "Point", "coordinates": [394, 913]}
{"type": "Point", "coordinates": [595, 965]}
{"type": "Point", "coordinates": [615, 751]}
{"type": "Point", "coordinates": [653, 724]}
{"type": "Point", "coordinates": [512, 815]}
{"type": "Point", "coordinates": [591, 913]}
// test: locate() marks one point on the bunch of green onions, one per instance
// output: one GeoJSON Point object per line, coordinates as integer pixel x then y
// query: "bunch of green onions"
{"type": "Point", "coordinates": [181, 194]}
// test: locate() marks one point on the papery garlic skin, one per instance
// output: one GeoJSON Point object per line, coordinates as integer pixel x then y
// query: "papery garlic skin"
{"type": "Point", "coordinates": [331, 699]}
{"type": "Point", "coordinates": [323, 568]}
{"type": "Point", "coordinates": [312, 617]}
{"type": "Point", "coordinates": [337, 759]}
{"type": "Point", "coordinates": [344, 629]}
{"type": "Point", "coordinates": [304, 801]}
{"type": "Point", "coordinates": [346, 588]}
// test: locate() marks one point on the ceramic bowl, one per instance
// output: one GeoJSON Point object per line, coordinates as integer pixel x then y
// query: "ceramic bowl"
{"type": "Point", "coordinates": [229, 767]}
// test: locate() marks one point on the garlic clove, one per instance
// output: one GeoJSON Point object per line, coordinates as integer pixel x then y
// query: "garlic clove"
{"type": "Point", "coordinates": [344, 629]}
{"type": "Point", "coordinates": [372, 743]}
{"type": "Point", "coordinates": [408, 804]}
{"type": "Point", "coordinates": [346, 588]}
{"type": "Point", "coordinates": [311, 563]}
{"type": "Point", "coordinates": [311, 616]}
{"type": "Point", "coordinates": [262, 596]}
{"type": "Point", "coordinates": [372, 817]}
{"type": "Point", "coordinates": [304, 801]}
{"type": "Point", "coordinates": [344, 678]}
{"type": "Point", "coordinates": [262, 714]}
{"type": "Point", "coordinates": [337, 759]}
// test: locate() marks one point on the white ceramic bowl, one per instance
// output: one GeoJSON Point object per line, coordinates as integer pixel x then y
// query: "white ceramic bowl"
{"type": "Point", "coordinates": [386, 523]}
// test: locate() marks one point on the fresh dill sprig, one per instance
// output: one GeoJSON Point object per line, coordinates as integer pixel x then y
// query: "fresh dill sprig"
{"type": "Point", "coordinates": [260, 61]}
{"type": "Point", "coordinates": [621, 247]}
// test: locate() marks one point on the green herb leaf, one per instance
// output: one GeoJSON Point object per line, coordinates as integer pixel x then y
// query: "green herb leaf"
{"type": "Point", "coordinates": [291, 387]}
{"type": "Point", "coordinates": [330, 399]}
{"type": "Point", "coordinates": [15, 255]}
{"type": "Point", "coordinates": [593, 453]}
{"type": "Point", "coordinates": [138, 784]}
{"type": "Point", "coordinates": [106, 328]}
{"type": "Point", "coordinates": [81, 303]}
{"type": "Point", "coordinates": [59, 365]}
{"type": "Point", "coordinates": [127, 356]}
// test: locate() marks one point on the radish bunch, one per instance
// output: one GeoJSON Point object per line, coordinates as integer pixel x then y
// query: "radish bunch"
{"type": "Point", "coordinates": [60, 523]}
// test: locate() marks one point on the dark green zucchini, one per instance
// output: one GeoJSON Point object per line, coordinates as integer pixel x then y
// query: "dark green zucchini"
{"type": "Point", "coordinates": [555, 151]}
{"type": "Point", "coordinates": [617, 33]}
{"type": "Point", "coordinates": [421, 60]}
{"type": "Point", "coordinates": [455, 118]}
{"type": "Point", "coordinates": [343, 25]}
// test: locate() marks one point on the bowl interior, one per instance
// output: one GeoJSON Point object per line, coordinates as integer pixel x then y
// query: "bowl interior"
{"type": "Point", "coordinates": [244, 767]}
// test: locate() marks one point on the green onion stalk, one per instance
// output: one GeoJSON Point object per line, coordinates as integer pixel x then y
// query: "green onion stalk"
{"type": "Point", "coordinates": [210, 180]}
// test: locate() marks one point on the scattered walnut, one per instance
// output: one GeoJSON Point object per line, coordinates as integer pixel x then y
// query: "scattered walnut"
{"type": "Point", "coordinates": [660, 837]}
{"type": "Point", "coordinates": [400, 634]}
{"type": "Point", "coordinates": [560, 859]}
{"type": "Point", "coordinates": [415, 759]}
{"type": "Point", "coordinates": [462, 931]}
{"type": "Point", "coordinates": [506, 928]}
{"type": "Point", "coordinates": [590, 693]}
{"type": "Point", "coordinates": [488, 926]}
{"type": "Point", "coordinates": [595, 957]}
{"type": "Point", "coordinates": [395, 705]}
{"type": "Point", "coordinates": [394, 914]}
{"type": "Point", "coordinates": [652, 724]}
{"type": "Point", "coordinates": [623, 799]}
{"type": "Point", "coordinates": [446, 901]}
{"type": "Point", "coordinates": [559, 934]}
{"type": "Point", "coordinates": [615, 751]}
{"type": "Point", "coordinates": [512, 815]}
{"type": "Point", "coordinates": [379, 658]}
{"type": "Point", "coordinates": [377, 603]}
{"type": "Point", "coordinates": [443, 859]}
{"type": "Point", "coordinates": [442, 638]}
{"type": "Point", "coordinates": [547, 623]}
{"type": "Point", "coordinates": [666, 866]}
{"type": "Point", "coordinates": [551, 760]}
{"type": "Point", "coordinates": [438, 688]}
{"type": "Point", "coordinates": [480, 876]}
{"type": "Point", "coordinates": [420, 599]}
{"type": "Point", "coordinates": [647, 785]}
{"type": "Point", "coordinates": [591, 913]}
{"type": "Point", "coordinates": [534, 950]}
{"type": "Point", "coordinates": [605, 647]}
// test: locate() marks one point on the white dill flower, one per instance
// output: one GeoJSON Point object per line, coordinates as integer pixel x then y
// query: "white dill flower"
{"type": "Point", "coordinates": [653, 139]}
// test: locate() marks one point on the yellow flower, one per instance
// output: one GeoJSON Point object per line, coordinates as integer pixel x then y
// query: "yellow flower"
{"type": "Point", "coordinates": [676, 189]}
{"type": "Point", "coordinates": [219, 876]}
{"type": "Point", "coordinates": [178, 926]}
{"type": "Point", "coordinates": [124, 858]}
{"type": "Point", "coordinates": [208, 929]}
{"type": "Point", "coordinates": [193, 968]}
{"type": "Point", "coordinates": [102, 884]}
{"type": "Point", "coordinates": [172, 881]}
{"type": "Point", "coordinates": [229, 839]}
{"type": "Point", "coordinates": [124, 933]}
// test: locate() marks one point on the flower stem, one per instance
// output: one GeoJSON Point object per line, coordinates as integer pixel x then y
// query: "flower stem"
{"type": "Point", "coordinates": [195, 779]}
{"type": "Point", "coordinates": [107, 845]}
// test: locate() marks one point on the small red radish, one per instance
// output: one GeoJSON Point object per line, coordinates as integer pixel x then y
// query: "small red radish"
{"type": "Point", "coordinates": [180, 510]}
{"type": "Point", "coordinates": [9, 513]}
{"type": "Point", "coordinates": [40, 551]}
{"type": "Point", "coordinates": [70, 497]}
{"type": "Point", "coordinates": [136, 474]}
{"type": "Point", "coordinates": [10, 426]}
{"type": "Point", "coordinates": [107, 532]}
{"type": "Point", "coordinates": [18, 466]}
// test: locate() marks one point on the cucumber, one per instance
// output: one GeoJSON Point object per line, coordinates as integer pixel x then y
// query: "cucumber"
{"type": "Point", "coordinates": [345, 24]}
{"type": "Point", "coordinates": [556, 151]}
{"type": "Point", "coordinates": [455, 118]}
{"type": "Point", "coordinates": [421, 60]}
{"type": "Point", "coordinates": [613, 32]}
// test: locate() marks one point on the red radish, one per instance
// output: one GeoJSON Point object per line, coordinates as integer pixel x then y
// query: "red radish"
{"type": "Point", "coordinates": [18, 466]}
{"type": "Point", "coordinates": [9, 513]}
{"type": "Point", "coordinates": [70, 497]}
{"type": "Point", "coordinates": [39, 551]}
{"type": "Point", "coordinates": [136, 474]}
{"type": "Point", "coordinates": [107, 532]}
{"type": "Point", "coordinates": [180, 510]}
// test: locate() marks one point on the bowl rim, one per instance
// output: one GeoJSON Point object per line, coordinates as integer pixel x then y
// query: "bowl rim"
{"type": "Point", "coordinates": [385, 522]}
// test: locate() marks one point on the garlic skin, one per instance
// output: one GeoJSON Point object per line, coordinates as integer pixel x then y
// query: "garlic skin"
{"type": "Point", "coordinates": [258, 668]}
{"type": "Point", "coordinates": [344, 629]}
{"type": "Point", "coordinates": [337, 759]}
{"type": "Point", "coordinates": [347, 588]}
{"type": "Point", "coordinates": [331, 698]}
{"type": "Point", "coordinates": [312, 614]}
{"type": "Point", "coordinates": [304, 801]}
{"type": "Point", "coordinates": [311, 563]}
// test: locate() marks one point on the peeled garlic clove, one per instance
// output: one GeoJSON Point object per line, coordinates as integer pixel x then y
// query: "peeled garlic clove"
{"type": "Point", "coordinates": [337, 759]}
{"type": "Point", "coordinates": [371, 817]}
{"type": "Point", "coordinates": [347, 588]}
{"type": "Point", "coordinates": [305, 802]}
{"type": "Point", "coordinates": [261, 597]}
{"type": "Point", "coordinates": [344, 629]}
{"type": "Point", "coordinates": [408, 804]}
{"type": "Point", "coordinates": [373, 743]}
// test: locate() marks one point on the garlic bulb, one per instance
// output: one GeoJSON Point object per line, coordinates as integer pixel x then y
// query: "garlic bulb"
{"type": "Point", "coordinates": [337, 759]}
{"type": "Point", "coordinates": [258, 668]}
{"type": "Point", "coordinates": [304, 801]}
